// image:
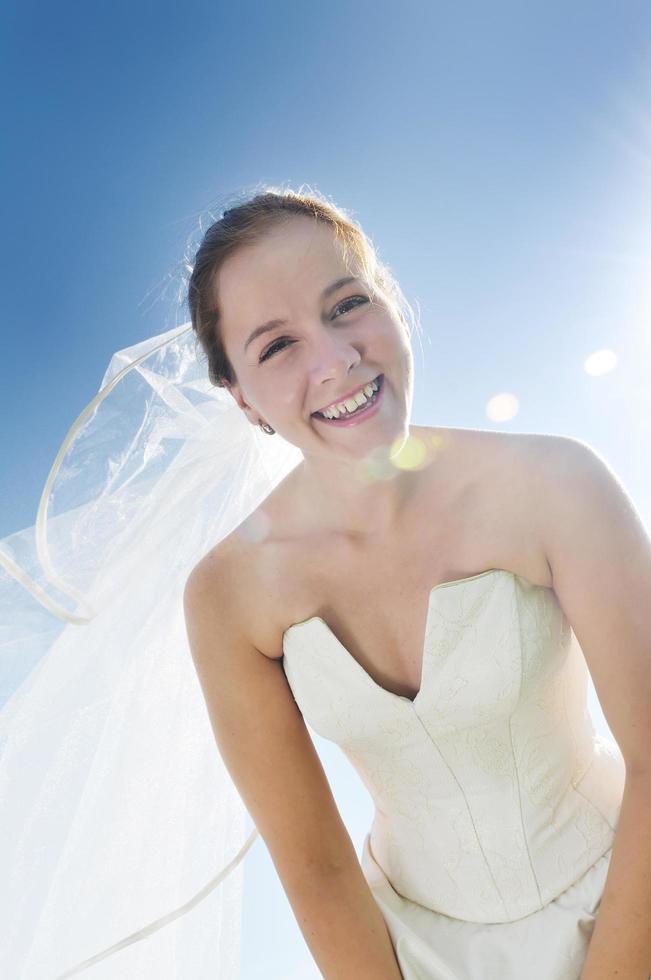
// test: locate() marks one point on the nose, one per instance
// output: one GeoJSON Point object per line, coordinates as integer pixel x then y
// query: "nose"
{"type": "Point", "coordinates": [333, 357]}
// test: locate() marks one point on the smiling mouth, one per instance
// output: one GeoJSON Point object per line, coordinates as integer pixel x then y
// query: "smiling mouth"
{"type": "Point", "coordinates": [361, 409]}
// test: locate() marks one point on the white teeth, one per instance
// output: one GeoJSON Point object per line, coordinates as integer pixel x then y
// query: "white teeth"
{"type": "Point", "coordinates": [345, 408]}
{"type": "Point", "coordinates": [350, 405]}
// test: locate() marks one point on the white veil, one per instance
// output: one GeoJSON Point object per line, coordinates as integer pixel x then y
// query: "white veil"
{"type": "Point", "coordinates": [121, 832]}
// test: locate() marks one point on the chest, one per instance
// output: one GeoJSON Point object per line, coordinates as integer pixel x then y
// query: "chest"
{"type": "Point", "coordinates": [382, 625]}
{"type": "Point", "coordinates": [378, 608]}
{"type": "Point", "coordinates": [375, 600]}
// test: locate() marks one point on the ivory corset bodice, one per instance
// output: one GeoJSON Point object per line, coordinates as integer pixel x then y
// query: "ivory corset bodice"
{"type": "Point", "coordinates": [492, 791]}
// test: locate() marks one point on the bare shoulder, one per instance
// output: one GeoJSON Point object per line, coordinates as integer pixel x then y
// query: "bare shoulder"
{"type": "Point", "coordinates": [222, 582]}
{"type": "Point", "coordinates": [213, 570]}
{"type": "Point", "coordinates": [242, 572]}
{"type": "Point", "coordinates": [241, 584]}
{"type": "Point", "coordinates": [489, 443]}
{"type": "Point", "coordinates": [562, 471]}
{"type": "Point", "coordinates": [537, 454]}
{"type": "Point", "coordinates": [491, 456]}
{"type": "Point", "coordinates": [501, 497]}
{"type": "Point", "coordinates": [523, 457]}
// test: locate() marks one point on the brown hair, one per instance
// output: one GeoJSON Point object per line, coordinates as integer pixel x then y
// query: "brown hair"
{"type": "Point", "coordinates": [245, 224]}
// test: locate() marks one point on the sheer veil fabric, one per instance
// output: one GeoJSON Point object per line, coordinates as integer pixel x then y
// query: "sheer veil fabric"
{"type": "Point", "coordinates": [121, 831]}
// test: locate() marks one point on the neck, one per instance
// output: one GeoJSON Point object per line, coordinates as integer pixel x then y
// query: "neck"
{"type": "Point", "coordinates": [361, 498]}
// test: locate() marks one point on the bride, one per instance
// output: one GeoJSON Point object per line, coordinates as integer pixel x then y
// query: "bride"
{"type": "Point", "coordinates": [304, 327]}
{"type": "Point", "coordinates": [431, 599]}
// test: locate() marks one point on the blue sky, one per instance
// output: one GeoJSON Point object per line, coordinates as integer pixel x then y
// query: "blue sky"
{"type": "Point", "coordinates": [498, 155]}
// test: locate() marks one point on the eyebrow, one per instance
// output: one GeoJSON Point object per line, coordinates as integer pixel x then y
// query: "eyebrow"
{"type": "Point", "coordinates": [272, 324]}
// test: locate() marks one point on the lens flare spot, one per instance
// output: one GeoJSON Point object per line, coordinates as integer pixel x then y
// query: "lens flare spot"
{"type": "Point", "coordinates": [410, 454]}
{"type": "Point", "coordinates": [600, 362]}
{"type": "Point", "coordinates": [502, 407]}
{"type": "Point", "coordinates": [376, 465]}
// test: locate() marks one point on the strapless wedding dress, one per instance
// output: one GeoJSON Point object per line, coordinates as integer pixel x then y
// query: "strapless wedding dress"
{"type": "Point", "coordinates": [496, 802]}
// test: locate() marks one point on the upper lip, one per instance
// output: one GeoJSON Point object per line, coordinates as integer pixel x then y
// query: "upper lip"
{"type": "Point", "coordinates": [342, 398]}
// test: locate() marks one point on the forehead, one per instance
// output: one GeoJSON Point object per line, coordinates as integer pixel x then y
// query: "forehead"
{"type": "Point", "coordinates": [290, 264]}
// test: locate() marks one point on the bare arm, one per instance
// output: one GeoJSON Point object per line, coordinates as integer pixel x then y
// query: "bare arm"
{"type": "Point", "coordinates": [267, 749]}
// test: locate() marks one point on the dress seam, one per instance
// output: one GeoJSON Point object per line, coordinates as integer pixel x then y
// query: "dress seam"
{"type": "Point", "coordinates": [515, 761]}
{"type": "Point", "coordinates": [469, 810]}
{"type": "Point", "coordinates": [591, 802]}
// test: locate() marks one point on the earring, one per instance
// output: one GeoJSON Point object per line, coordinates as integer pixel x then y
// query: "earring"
{"type": "Point", "coordinates": [266, 428]}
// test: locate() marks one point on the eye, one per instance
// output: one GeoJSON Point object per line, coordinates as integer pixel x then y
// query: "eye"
{"type": "Point", "coordinates": [351, 299]}
{"type": "Point", "coordinates": [272, 348]}
{"type": "Point", "coordinates": [284, 341]}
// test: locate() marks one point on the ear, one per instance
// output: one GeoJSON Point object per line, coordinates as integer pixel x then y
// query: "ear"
{"type": "Point", "coordinates": [236, 393]}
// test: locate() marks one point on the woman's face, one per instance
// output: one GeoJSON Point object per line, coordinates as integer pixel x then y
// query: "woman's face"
{"type": "Point", "coordinates": [333, 340]}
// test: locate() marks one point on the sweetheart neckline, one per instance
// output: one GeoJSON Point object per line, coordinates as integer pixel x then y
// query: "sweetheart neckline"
{"type": "Point", "coordinates": [435, 588]}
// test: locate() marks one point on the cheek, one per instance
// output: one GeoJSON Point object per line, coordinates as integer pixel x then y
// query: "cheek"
{"type": "Point", "coordinates": [410, 365]}
{"type": "Point", "coordinates": [407, 356]}
{"type": "Point", "coordinates": [394, 324]}
{"type": "Point", "coordinates": [286, 394]}
{"type": "Point", "coordinates": [399, 336]}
